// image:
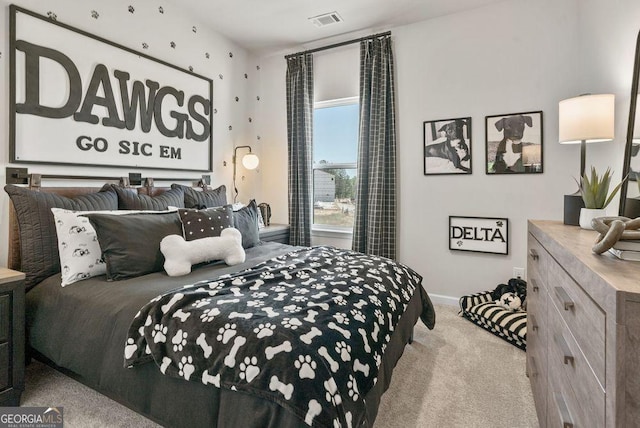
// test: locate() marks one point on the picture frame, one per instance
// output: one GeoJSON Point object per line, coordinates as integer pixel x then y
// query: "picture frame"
{"type": "Point", "coordinates": [447, 146]}
{"type": "Point", "coordinates": [479, 234]}
{"type": "Point", "coordinates": [514, 143]}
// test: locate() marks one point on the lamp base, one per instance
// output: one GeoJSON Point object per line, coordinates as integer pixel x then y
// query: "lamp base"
{"type": "Point", "coordinates": [572, 206]}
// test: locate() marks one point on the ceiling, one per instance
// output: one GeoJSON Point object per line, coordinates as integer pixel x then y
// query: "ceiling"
{"type": "Point", "coordinates": [267, 26]}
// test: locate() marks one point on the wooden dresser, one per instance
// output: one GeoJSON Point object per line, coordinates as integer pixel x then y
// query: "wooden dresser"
{"type": "Point", "coordinates": [583, 335]}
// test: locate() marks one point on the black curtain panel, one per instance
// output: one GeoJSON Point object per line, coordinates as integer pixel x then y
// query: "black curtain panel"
{"type": "Point", "coordinates": [374, 230]}
{"type": "Point", "coordinates": [300, 135]}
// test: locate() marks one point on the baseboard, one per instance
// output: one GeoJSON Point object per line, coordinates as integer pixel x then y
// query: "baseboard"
{"type": "Point", "coordinates": [439, 299]}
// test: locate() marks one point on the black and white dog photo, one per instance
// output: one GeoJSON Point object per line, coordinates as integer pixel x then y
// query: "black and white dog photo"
{"type": "Point", "coordinates": [447, 146]}
{"type": "Point", "coordinates": [514, 143]}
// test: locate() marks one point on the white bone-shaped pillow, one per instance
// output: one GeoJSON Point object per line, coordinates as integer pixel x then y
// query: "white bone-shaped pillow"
{"type": "Point", "coordinates": [180, 255]}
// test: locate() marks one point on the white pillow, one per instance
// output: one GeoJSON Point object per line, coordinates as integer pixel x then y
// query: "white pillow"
{"type": "Point", "coordinates": [80, 253]}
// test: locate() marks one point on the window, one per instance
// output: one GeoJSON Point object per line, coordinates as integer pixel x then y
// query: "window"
{"type": "Point", "coordinates": [335, 155]}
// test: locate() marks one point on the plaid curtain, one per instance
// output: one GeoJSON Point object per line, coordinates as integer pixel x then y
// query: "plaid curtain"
{"type": "Point", "coordinates": [299, 133]}
{"type": "Point", "coordinates": [374, 230]}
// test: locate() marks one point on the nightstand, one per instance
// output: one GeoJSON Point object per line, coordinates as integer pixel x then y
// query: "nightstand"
{"type": "Point", "coordinates": [11, 337]}
{"type": "Point", "coordinates": [275, 233]}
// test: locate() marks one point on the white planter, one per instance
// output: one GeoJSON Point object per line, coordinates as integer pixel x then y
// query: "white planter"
{"type": "Point", "coordinates": [588, 214]}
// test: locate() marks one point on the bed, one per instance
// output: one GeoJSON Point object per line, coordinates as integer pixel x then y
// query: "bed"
{"type": "Point", "coordinates": [83, 329]}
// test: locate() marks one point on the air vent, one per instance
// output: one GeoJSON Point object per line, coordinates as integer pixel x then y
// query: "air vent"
{"type": "Point", "coordinates": [326, 19]}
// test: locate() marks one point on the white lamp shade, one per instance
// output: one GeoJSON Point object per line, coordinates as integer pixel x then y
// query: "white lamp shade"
{"type": "Point", "coordinates": [250, 161]}
{"type": "Point", "coordinates": [589, 117]}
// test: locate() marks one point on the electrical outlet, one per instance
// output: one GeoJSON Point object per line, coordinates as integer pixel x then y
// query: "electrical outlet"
{"type": "Point", "coordinates": [519, 273]}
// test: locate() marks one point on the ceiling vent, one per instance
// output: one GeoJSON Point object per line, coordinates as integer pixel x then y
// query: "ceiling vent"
{"type": "Point", "coordinates": [326, 19]}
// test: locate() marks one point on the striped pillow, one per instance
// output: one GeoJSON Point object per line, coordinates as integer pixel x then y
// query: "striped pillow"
{"type": "Point", "coordinates": [508, 325]}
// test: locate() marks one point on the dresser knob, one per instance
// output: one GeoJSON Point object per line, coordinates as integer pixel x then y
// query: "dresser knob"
{"type": "Point", "coordinates": [533, 254]}
{"type": "Point", "coordinates": [534, 324]}
{"type": "Point", "coordinates": [566, 351]}
{"type": "Point", "coordinates": [534, 285]}
{"type": "Point", "coordinates": [563, 410]}
{"type": "Point", "coordinates": [564, 298]}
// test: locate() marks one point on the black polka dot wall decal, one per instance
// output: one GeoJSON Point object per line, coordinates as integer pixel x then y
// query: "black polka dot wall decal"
{"type": "Point", "coordinates": [206, 55]}
{"type": "Point", "coordinates": [95, 14]}
{"type": "Point", "coordinates": [161, 9]}
{"type": "Point", "coordinates": [246, 76]}
{"type": "Point", "coordinates": [237, 99]}
{"type": "Point", "coordinates": [131, 9]}
{"type": "Point", "coordinates": [257, 67]}
{"type": "Point", "coordinates": [250, 120]}
{"type": "Point", "coordinates": [230, 128]}
{"type": "Point", "coordinates": [220, 76]}
{"type": "Point", "coordinates": [258, 98]}
{"type": "Point", "coordinates": [52, 16]}
{"type": "Point", "coordinates": [194, 29]}
{"type": "Point", "coordinates": [173, 45]}
{"type": "Point", "coordinates": [230, 54]}
{"type": "Point", "coordinates": [145, 45]}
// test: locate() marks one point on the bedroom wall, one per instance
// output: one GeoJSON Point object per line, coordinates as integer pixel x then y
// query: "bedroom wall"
{"type": "Point", "coordinates": [507, 57]}
{"type": "Point", "coordinates": [233, 70]}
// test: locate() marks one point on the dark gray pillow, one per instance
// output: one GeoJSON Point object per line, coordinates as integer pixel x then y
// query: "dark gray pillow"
{"type": "Point", "coordinates": [206, 198]}
{"type": "Point", "coordinates": [246, 221]}
{"type": "Point", "coordinates": [197, 224]}
{"type": "Point", "coordinates": [38, 240]}
{"type": "Point", "coordinates": [130, 243]}
{"type": "Point", "coordinates": [130, 200]}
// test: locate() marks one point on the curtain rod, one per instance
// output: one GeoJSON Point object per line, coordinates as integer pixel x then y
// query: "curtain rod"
{"type": "Point", "coordinates": [337, 45]}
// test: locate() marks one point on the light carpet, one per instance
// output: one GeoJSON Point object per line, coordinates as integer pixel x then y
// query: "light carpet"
{"type": "Point", "coordinates": [456, 375]}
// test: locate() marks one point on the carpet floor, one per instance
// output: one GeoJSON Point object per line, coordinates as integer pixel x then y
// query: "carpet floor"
{"type": "Point", "coordinates": [456, 375]}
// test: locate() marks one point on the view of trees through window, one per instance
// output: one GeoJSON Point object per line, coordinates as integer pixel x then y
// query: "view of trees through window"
{"type": "Point", "coordinates": [335, 148]}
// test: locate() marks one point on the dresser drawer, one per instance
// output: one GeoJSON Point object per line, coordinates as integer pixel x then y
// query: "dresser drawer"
{"type": "Point", "coordinates": [562, 405]}
{"type": "Point", "coordinates": [566, 358]}
{"type": "Point", "coordinates": [585, 319]}
{"type": "Point", "coordinates": [537, 260]}
{"type": "Point", "coordinates": [537, 324]}
{"type": "Point", "coordinates": [5, 373]}
{"type": "Point", "coordinates": [5, 317]}
{"type": "Point", "coordinates": [537, 370]}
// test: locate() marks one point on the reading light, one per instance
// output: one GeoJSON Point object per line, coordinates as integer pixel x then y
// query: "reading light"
{"type": "Point", "coordinates": [584, 119]}
{"type": "Point", "coordinates": [249, 161]}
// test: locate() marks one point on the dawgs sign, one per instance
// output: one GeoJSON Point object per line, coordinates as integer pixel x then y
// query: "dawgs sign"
{"type": "Point", "coordinates": [480, 234]}
{"type": "Point", "coordinates": [79, 99]}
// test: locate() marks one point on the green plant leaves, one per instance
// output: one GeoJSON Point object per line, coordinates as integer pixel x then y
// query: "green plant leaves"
{"type": "Point", "coordinates": [595, 189]}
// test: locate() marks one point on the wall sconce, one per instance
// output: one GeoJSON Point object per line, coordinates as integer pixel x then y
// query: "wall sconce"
{"type": "Point", "coordinates": [584, 119]}
{"type": "Point", "coordinates": [249, 161]}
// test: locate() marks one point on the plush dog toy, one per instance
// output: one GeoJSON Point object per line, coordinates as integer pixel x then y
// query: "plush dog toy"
{"type": "Point", "coordinates": [510, 301]}
{"type": "Point", "coordinates": [180, 255]}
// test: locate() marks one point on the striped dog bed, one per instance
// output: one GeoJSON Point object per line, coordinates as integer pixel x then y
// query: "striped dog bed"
{"type": "Point", "coordinates": [481, 309]}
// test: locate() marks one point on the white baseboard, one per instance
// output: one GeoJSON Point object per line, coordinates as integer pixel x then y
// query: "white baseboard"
{"type": "Point", "coordinates": [439, 299]}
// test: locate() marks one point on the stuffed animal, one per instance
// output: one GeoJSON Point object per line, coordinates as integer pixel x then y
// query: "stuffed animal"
{"type": "Point", "coordinates": [510, 301]}
{"type": "Point", "coordinates": [516, 286]}
{"type": "Point", "coordinates": [180, 255]}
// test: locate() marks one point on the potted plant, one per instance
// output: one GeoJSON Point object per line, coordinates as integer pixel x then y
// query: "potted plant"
{"type": "Point", "coordinates": [596, 196]}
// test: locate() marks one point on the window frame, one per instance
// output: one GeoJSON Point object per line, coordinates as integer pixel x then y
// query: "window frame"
{"type": "Point", "coordinates": [326, 228]}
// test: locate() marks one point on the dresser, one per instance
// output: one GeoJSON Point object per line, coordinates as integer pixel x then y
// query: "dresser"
{"type": "Point", "coordinates": [583, 330]}
{"type": "Point", "coordinates": [11, 337]}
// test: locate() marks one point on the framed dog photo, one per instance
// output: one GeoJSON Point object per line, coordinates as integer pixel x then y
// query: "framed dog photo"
{"type": "Point", "coordinates": [514, 143]}
{"type": "Point", "coordinates": [447, 146]}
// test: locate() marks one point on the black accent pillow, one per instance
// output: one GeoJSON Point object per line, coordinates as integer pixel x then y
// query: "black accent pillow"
{"type": "Point", "coordinates": [197, 224]}
{"type": "Point", "coordinates": [38, 240]}
{"type": "Point", "coordinates": [246, 221]}
{"type": "Point", "coordinates": [129, 199]}
{"type": "Point", "coordinates": [206, 198]}
{"type": "Point", "coordinates": [130, 243]}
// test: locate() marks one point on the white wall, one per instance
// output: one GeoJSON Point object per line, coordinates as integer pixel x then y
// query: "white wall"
{"type": "Point", "coordinates": [507, 57]}
{"type": "Point", "coordinates": [158, 30]}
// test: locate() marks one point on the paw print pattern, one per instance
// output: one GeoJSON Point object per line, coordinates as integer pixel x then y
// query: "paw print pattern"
{"type": "Point", "coordinates": [159, 333]}
{"type": "Point", "coordinates": [339, 300]}
{"type": "Point", "coordinates": [191, 69]}
{"type": "Point", "coordinates": [298, 299]}
{"type": "Point", "coordinates": [291, 323]}
{"type": "Point", "coordinates": [306, 367]}
{"type": "Point", "coordinates": [186, 367]}
{"type": "Point", "coordinates": [160, 9]}
{"type": "Point", "coordinates": [200, 303]}
{"type": "Point", "coordinates": [378, 313]}
{"type": "Point", "coordinates": [378, 359]}
{"type": "Point", "coordinates": [179, 340]}
{"type": "Point", "coordinates": [130, 348]}
{"type": "Point", "coordinates": [95, 14]}
{"type": "Point", "coordinates": [194, 29]}
{"type": "Point", "coordinates": [357, 315]}
{"type": "Point", "coordinates": [332, 395]}
{"type": "Point", "coordinates": [301, 291]}
{"type": "Point", "coordinates": [278, 288]}
{"type": "Point", "coordinates": [303, 275]}
{"type": "Point", "coordinates": [356, 289]}
{"type": "Point", "coordinates": [341, 318]}
{"type": "Point", "coordinates": [209, 314]}
{"type": "Point", "coordinates": [318, 286]}
{"type": "Point", "coordinates": [264, 330]}
{"type": "Point", "coordinates": [343, 350]}
{"type": "Point", "coordinates": [255, 303]}
{"type": "Point", "coordinates": [145, 45]}
{"type": "Point", "coordinates": [172, 44]}
{"type": "Point", "coordinates": [375, 300]}
{"type": "Point", "coordinates": [267, 275]}
{"type": "Point", "coordinates": [131, 9]}
{"type": "Point", "coordinates": [52, 16]}
{"type": "Point", "coordinates": [291, 308]}
{"type": "Point", "coordinates": [392, 303]}
{"type": "Point", "coordinates": [226, 332]}
{"type": "Point", "coordinates": [207, 55]}
{"type": "Point", "coordinates": [248, 369]}
{"type": "Point", "coordinates": [261, 294]}
{"type": "Point", "coordinates": [353, 388]}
